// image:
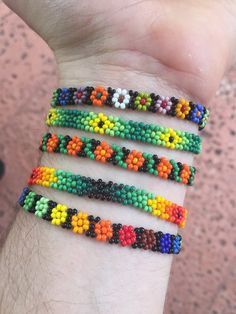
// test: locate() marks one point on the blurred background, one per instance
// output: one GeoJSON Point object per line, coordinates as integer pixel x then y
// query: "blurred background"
{"type": "Point", "coordinates": [203, 278]}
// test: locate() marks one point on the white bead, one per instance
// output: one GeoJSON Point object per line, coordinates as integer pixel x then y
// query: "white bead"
{"type": "Point", "coordinates": [118, 90]}
{"type": "Point", "coordinates": [122, 106]}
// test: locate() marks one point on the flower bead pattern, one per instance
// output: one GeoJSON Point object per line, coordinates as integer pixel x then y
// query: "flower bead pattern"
{"type": "Point", "coordinates": [79, 96]}
{"type": "Point", "coordinates": [117, 156]}
{"type": "Point", "coordinates": [134, 160]}
{"type": "Point", "coordinates": [121, 98]}
{"type": "Point", "coordinates": [59, 214]}
{"type": "Point", "coordinates": [80, 223]}
{"type": "Point", "coordinates": [113, 233]}
{"type": "Point", "coordinates": [197, 113]}
{"type": "Point", "coordinates": [126, 129]}
{"type": "Point", "coordinates": [143, 101]}
{"type": "Point", "coordinates": [164, 104]}
{"type": "Point", "coordinates": [74, 146]}
{"type": "Point", "coordinates": [64, 97]}
{"type": "Point", "coordinates": [101, 124]}
{"type": "Point", "coordinates": [41, 207]}
{"type": "Point", "coordinates": [164, 168]}
{"type": "Point", "coordinates": [165, 243]}
{"type": "Point", "coordinates": [182, 109]}
{"type": "Point", "coordinates": [185, 174]}
{"type": "Point", "coordinates": [148, 239]}
{"type": "Point", "coordinates": [99, 96]}
{"type": "Point", "coordinates": [171, 139]}
{"type": "Point", "coordinates": [127, 236]}
{"type": "Point", "coordinates": [52, 143]}
{"type": "Point", "coordinates": [103, 230]}
{"type": "Point", "coordinates": [29, 201]}
{"type": "Point", "coordinates": [177, 244]}
{"type": "Point", "coordinates": [103, 152]}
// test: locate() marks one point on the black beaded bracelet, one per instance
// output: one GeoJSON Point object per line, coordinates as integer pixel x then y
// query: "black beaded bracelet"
{"type": "Point", "coordinates": [129, 99]}
{"type": "Point", "coordinates": [97, 228]}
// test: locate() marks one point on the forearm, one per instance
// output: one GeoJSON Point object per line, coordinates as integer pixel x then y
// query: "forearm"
{"type": "Point", "coordinates": [52, 270]}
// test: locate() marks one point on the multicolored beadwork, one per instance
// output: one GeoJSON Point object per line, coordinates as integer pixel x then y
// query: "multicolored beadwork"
{"type": "Point", "coordinates": [118, 156]}
{"type": "Point", "coordinates": [114, 126]}
{"type": "Point", "coordinates": [129, 99]}
{"type": "Point", "coordinates": [97, 228]}
{"type": "Point", "coordinates": [108, 191]}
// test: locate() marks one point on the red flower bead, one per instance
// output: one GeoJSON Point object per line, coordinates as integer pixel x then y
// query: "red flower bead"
{"type": "Point", "coordinates": [127, 236]}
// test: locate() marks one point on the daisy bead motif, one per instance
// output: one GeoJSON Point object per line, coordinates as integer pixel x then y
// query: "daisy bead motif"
{"type": "Point", "coordinates": [120, 98]}
{"type": "Point", "coordinates": [164, 104]}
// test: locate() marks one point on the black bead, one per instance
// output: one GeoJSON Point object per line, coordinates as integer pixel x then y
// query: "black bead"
{"type": "Point", "coordinates": [88, 233]}
{"type": "Point", "coordinates": [52, 204]}
{"type": "Point", "coordinates": [97, 219]}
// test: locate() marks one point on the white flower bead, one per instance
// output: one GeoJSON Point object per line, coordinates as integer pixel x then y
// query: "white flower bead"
{"type": "Point", "coordinates": [121, 98]}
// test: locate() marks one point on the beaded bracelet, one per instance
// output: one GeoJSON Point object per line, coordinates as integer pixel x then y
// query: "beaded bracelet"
{"type": "Point", "coordinates": [118, 156]}
{"type": "Point", "coordinates": [97, 228]}
{"type": "Point", "coordinates": [129, 99]}
{"type": "Point", "coordinates": [118, 193]}
{"type": "Point", "coordinates": [114, 126]}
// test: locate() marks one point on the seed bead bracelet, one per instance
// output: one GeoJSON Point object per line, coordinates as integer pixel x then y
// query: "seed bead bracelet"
{"type": "Point", "coordinates": [118, 156]}
{"type": "Point", "coordinates": [131, 130]}
{"type": "Point", "coordinates": [108, 191]}
{"type": "Point", "coordinates": [96, 228]}
{"type": "Point", "coordinates": [128, 99]}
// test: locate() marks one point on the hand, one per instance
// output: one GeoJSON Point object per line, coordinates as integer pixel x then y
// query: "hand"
{"type": "Point", "coordinates": [170, 47]}
{"type": "Point", "coordinates": [180, 43]}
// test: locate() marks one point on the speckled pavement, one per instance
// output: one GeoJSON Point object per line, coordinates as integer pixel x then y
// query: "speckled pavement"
{"type": "Point", "coordinates": [203, 279]}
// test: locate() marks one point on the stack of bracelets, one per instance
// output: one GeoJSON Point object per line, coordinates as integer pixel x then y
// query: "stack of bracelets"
{"type": "Point", "coordinates": [118, 156]}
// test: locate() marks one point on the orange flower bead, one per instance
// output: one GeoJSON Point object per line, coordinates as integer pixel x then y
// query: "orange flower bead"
{"type": "Point", "coordinates": [99, 96]}
{"type": "Point", "coordinates": [185, 174]}
{"type": "Point", "coordinates": [164, 168]}
{"type": "Point", "coordinates": [103, 152]}
{"type": "Point", "coordinates": [80, 222]}
{"type": "Point", "coordinates": [103, 230]}
{"type": "Point", "coordinates": [134, 160]}
{"type": "Point", "coordinates": [74, 146]}
{"type": "Point", "coordinates": [52, 143]}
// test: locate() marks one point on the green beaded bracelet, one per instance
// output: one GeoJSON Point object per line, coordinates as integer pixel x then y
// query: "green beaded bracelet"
{"type": "Point", "coordinates": [114, 126]}
{"type": "Point", "coordinates": [108, 191]}
{"type": "Point", "coordinates": [94, 227]}
{"type": "Point", "coordinates": [118, 156]}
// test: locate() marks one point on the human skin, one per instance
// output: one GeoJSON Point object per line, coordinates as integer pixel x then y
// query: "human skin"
{"type": "Point", "coordinates": [179, 48]}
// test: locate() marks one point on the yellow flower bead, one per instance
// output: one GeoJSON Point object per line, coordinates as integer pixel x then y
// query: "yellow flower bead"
{"type": "Point", "coordinates": [59, 214]}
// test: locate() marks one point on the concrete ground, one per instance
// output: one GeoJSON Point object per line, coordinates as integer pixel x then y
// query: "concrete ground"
{"type": "Point", "coordinates": [203, 279]}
